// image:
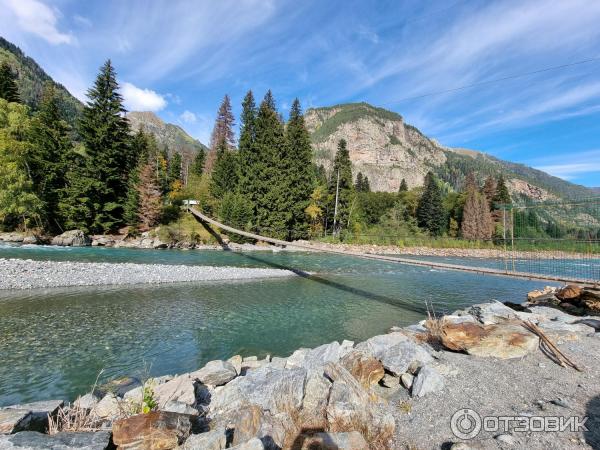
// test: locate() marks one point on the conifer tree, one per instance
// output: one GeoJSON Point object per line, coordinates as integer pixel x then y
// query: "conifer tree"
{"type": "Point", "coordinates": [489, 189]}
{"type": "Point", "coordinates": [403, 186]}
{"type": "Point", "coordinates": [222, 132]}
{"type": "Point", "coordinates": [175, 169]}
{"type": "Point", "coordinates": [296, 169]}
{"type": "Point", "coordinates": [47, 158]}
{"type": "Point", "coordinates": [247, 148]}
{"type": "Point", "coordinates": [359, 182]}
{"type": "Point", "coordinates": [98, 187]}
{"type": "Point", "coordinates": [366, 187]}
{"type": "Point", "coordinates": [140, 147]}
{"type": "Point", "coordinates": [340, 182]}
{"type": "Point", "coordinates": [476, 218]}
{"type": "Point", "coordinates": [430, 210]}
{"type": "Point", "coordinates": [8, 85]}
{"type": "Point", "coordinates": [198, 164]}
{"type": "Point", "coordinates": [224, 176]}
{"type": "Point", "coordinates": [502, 196]}
{"type": "Point", "coordinates": [150, 198]}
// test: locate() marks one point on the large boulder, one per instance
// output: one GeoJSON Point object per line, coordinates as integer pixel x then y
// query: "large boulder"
{"type": "Point", "coordinates": [500, 341]}
{"type": "Point", "coordinates": [216, 373]}
{"type": "Point", "coordinates": [314, 403]}
{"type": "Point", "coordinates": [334, 441]}
{"type": "Point", "coordinates": [273, 389]}
{"type": "Point", "coordinates": [34, 416]}
{"type": "Point", "coordinates": [155, 430]}
{"type": "Point", "coordinates": [180, 389]}
{"type": "Point", "coordinates": [107, 408]}
{"type": "Point", "coordinates": [569, 292]}
{"type": "Point", "coordinates": [316, 358]}
{"type": "Point", "coordinates": [33, 440]}
{"type": "Point", "coordinates": [72, 238]}
{"type": "Point", "coordinates": [366, 369]}
{"type": "Point", "coordinates": [492, 313]}
{"type": "Point", "coordinates": [211, 440]}
{"type": "Point", "coordinates": [428, 380]}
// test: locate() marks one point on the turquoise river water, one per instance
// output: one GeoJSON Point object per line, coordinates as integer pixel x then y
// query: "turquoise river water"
{"type": "Point", "coordinates": [54, 342]}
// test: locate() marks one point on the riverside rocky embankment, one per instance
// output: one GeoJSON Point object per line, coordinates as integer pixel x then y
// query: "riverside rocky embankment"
{"type": "Point", "coordinates": [393, 391]}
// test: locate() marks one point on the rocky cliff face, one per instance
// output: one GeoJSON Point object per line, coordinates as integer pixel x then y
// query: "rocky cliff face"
{"type": "Point", "coordinates": [381, 145]}
{"type": "Point", "coordinates": [173, 136]}
{"type": "Point", "coordinates": [385, 149]}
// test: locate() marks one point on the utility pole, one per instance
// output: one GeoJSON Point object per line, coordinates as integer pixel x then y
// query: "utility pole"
{"type": "Point", "coordinates": [337, 191]}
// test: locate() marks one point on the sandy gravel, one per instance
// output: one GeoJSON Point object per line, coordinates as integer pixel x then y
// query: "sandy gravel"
{"type": "Point", "coordinates": [29, 274]}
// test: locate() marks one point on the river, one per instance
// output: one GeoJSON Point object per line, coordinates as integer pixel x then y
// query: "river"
{"type": "Point", "coordinates": [55, 342]}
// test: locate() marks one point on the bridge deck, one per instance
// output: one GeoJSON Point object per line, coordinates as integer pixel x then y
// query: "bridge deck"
{"type": "Point", "coordinates": [413, 262]}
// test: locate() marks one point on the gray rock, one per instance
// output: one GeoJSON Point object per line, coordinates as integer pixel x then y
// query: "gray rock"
{"type": "Point", "coordinates": [390, 380]}
{"type": "Point", "coordinates": [314, 403]}
{"type": "Point", "coordinates": [275, 390]}
{"type": "Point", "coordinates": [211, 440]}
{"type": "Point", "coordinates": [236, 362]}
{"type": "Point", "coordinates": [179, 389]}
{"type": "Point", "coordinates": [13, 420]}
{"type": "Point", "coordinates": [37, 420]}
{"type": "Point", "coordinates": [407, 380]}
{"type": "Point", "coordinates": [377, 345]}
{"type": "Point", "coordinates": [345, 347]}
{"type": "Point", "coordinates": [89, 400]}
{"type": "Point", "coordinates": [428, 380]}
{"type": "Point", "coordinates": [561, 402]}
{"type": "Point", "coordinates": [108, 407]}
{"type": "Point", "coordinates": [252, 444]}
{"type": "Point", "coordinates": [215, 373]}
{"type": "Point", "coordinates": [32, 440]}
{"type": "Point", "coordinates": [278, 362]}
{"type": "Point", "coordinates": [492, 313]}
{"type": "Point", "coordinates": [507, 439]}
{"type": "Point", "coordinates": [337, 441]}
{"type": "Point", "coordinates": [179, 407]}
{"type": "Point", "coordinates": [398, 353]}
{"type": "Point", "coordinates": [322, 355]}
{"type": "Point", "coordinates": [72, 238]}
{"type": "Point", "coordinates": [296, 359]}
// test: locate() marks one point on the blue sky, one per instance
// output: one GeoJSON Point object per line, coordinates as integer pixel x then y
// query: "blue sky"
{"type": "Point", "coordinates": [178, 58]}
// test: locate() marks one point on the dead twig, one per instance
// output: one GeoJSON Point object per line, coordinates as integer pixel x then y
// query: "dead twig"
{"type": "Point", "coordinates": [562, 359]}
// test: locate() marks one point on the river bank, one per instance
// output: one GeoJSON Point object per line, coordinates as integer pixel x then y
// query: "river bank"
{"type": "Point", "coordinates": [30, 274]}
{"type": "Point", "coordinates": [151, 240]}
{"type": "Point", "coordinates": [392, 391]}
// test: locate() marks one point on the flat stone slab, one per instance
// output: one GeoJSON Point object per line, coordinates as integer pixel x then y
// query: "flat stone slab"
{"type": "Point", "coordinates": [36, 420]}
{"type": "Point", "coordinates": [32, 440]}
{"type": "Point", "coordinates": [12, 420]}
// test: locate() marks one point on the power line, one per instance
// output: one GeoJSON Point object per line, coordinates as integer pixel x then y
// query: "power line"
{"type": "Point", "coordinates": [496, 80]}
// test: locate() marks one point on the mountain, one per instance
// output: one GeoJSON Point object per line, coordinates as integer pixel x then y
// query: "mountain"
{"type": "Point", "coordinates": [386, 149]}
{"type": "Point", "coordinates": [31, 79]}
{"type": "Point", "coordinates": [173, 136]}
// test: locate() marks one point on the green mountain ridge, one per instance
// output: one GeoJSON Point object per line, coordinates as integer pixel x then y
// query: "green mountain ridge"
{"type": "Point", "coordinates": [31, 79]}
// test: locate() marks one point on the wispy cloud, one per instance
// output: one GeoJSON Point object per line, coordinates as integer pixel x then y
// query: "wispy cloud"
{"type": "Point", "coordinates": [188, 117]}
{"type": "Point", "coordinates": [572, 165]}
{"type": "Point", "coordinates": [137, 99]}
{"type": "Point", "coordinates": [35, 17]}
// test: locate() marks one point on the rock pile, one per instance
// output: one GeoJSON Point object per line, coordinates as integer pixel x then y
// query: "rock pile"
{"type": "Point", "coordinates": [574, 299]}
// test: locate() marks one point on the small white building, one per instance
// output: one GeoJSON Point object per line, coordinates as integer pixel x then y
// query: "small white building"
{"type": "Point", "coordinates": [191, 202]}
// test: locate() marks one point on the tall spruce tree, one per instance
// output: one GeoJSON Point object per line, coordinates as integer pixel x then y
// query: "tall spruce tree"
{"type": "Point", "coordinates": [296, 169]}
{"type": "Point", "coordinates": [8, 85]}
{"type": "Point", "coordinates": [502, 195]}
{"type": "Point", "coordinates": [366, 187]}
{"type": "Point", "coordinates": [359, 182]}
{"type": "Point", "coordinates": [47, 160]}
{"type": "Point", "coordinates": [476, 218]}
{"type": "Point", "coordinates": [224, 176]}
{"type": "Point", "coordinates": [403, 186]}
{"type": "Point", "coordinates": [197, 167]}
{"type": "Point", "coordinates": [431, 215]}
{"type": "Point", "coordinates": [175, 169]}
{"type": "Point", "coordinates": [99, 196]}
{"type": "Point", "coordinates": [340, 183]}
{"type": "Point", "coordinates": [489, 189]}
{"type": "Point", "coordinates": [150, 198]}
{"type": "Point", "coordinates": [140, 146]}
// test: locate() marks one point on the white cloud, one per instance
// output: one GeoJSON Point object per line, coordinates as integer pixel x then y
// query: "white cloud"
{"type": "Point", "coordinates": [576, 164]}
{"type": "Point", "coordinates": [136, 99]}
{"type": "Point", "coordinates": [188, 117]}
{"type": "Point", "coordinates": [82, 21]}
{"type": "Point", "coordinates": [35, 17]}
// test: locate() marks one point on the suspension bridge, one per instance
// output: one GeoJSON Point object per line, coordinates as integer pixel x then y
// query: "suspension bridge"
{"type": "Point", "coordinates": [393, 259]}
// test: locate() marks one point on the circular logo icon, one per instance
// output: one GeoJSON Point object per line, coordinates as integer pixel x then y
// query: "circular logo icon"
{"type": "Point", "coordinates": [465, 424]}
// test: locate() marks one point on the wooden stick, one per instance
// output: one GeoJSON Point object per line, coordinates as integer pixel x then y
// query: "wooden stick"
{"type": "Point", "coordinates": [559, 355]}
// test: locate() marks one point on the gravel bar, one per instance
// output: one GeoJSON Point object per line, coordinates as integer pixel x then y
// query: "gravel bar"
{"type": "Point", "coordinates": [30, 274]}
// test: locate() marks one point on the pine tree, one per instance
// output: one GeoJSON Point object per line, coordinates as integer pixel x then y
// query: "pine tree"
{"type": "Point", "coordinates": [224, 176]}
{"type": "Point", "coordinates": [366, 185]}
{"type": "Point", "coordinates": [108, 158]}
{"type": "Point", "coordinates": [476, 218]}
{"type": "Point", "coordinates": [8, 85]}
{"type": "Point", "coordinates": [175, 169]}
{"type": "Point", "coordinates": [47, 159]}
{"type": "Point", "coordinates": [247, 148]}
{"type": "Point", "coordinates": [296, 169]}
{"type": "Point", "coordinates": [150, 198]}
{"type": "Point", "coordinates": [502, 196]}
{"type": "Point", "coordinates": [430, 210]}
{"type": "Point", "coordinates": [140, 146]}
{"type": "Point", "coordinates": [198, 164]}
{"type": "Point", "coordinates": [359, 182]}
{"type": "Point", "coordinates": [403, 186]}
{"type": "Point", "coordinates": [489, 189]}
{"type": "Point", "coordinates": [222, 132]}
{"type": "Point", "coordinates": [340, 181]}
